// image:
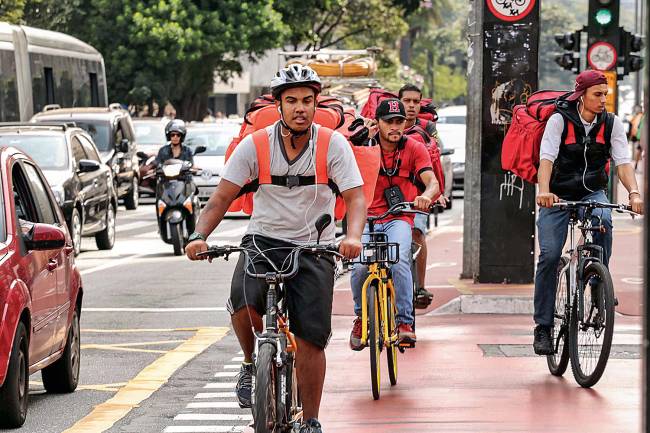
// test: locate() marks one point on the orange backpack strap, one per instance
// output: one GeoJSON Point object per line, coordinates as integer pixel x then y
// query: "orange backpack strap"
{"type": "Point", "coordinates": [263, 149]}
{"type": "Point", "coordinates": [322, 149]}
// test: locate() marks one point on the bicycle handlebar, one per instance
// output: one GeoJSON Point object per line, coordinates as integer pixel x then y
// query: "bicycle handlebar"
{"type": "Point", "coordinates": [404, 207]}
{"type": "Point", "coordinates": [621, 208]}
{"type": "Point", "coordinates": [277, 276]}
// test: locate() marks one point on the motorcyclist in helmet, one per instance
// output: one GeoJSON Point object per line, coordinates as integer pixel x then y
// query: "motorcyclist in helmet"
{"type": "Point", "coordinates": [175, 132]}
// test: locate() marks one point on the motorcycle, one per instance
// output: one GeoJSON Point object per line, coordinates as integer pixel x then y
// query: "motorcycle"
{"type": "Point", "coordinates": [177, 201]}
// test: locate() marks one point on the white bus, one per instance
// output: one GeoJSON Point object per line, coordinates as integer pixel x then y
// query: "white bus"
{"type": "Point", "coordinates": [40, 67]}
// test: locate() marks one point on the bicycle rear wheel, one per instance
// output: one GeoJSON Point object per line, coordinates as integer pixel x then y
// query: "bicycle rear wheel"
{"type": "Point", "coordinates": [559, 360]}
{"type": "Point", "coordinates": [374, 338]}
{"type": "Point", "coordinates": [264, 404]}
{"type": "Point", "coordinates": [391, 351]}
{"type": "Point", "coordinates": [590, 336]}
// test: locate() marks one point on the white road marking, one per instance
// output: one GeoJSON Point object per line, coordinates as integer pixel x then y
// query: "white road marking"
{"type": "Point", "coordinates": [134, 225]}
{"type": "Point", "coordinates": [636, 281]}
{"type": "Point", "coordinates": [212, 417]}
{"type": "Point", "coordinates": [230, 394]}
{"type": "Point", "coordinates": [441, 265]}
{"type": "Point", "coordinates": [119, 262]}
{"type": "Point", "coordinates": [214, 405]}
{"type": "Point", "coordinates": [226, 374]}
{"type": "Point", "coordinates": [204, 429]}
{"type": "Point", "coordinates": [440, 286]}
{"type": "Point", "coordinates": [238, 359]}
{"type": "Point", "coordinates": [236, 232]}
{"type": "Point", "coordinates": [232, 367]}
{"type": "Point", "coordinates": [151, 310]}
{"type": "Point", "coordinates": [220, 385]}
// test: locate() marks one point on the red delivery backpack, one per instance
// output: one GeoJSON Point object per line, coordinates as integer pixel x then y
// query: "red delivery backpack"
{"type": "Point", "coordinates": [331, 115]}
{"type": "Point", "coordinates": [520, 150]}
{"type": "Point", "coordinates": [416, 132]}
{"type": "Point", "coordinates": [427, 110]}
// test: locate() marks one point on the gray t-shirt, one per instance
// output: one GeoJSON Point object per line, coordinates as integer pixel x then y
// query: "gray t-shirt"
{"type": "Point", "coordinates": [290, 214]}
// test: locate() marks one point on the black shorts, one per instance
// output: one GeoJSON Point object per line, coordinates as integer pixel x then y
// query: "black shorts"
{"type": "Point", "coordinates": [308, 294]}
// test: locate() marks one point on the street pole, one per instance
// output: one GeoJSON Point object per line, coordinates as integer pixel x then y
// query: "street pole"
{"type": "Point", "coordinates": [507, 35]}
{"type": "Point", "coordinates": [645, 135]}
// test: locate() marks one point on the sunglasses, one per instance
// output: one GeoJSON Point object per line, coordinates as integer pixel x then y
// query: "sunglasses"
{"type": "Point", "coordinates": [174, 134]}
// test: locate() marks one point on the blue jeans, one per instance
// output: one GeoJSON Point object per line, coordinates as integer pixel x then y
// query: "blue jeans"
{"type": "Point", "coordinates": [398, 231]}
{"type": "Point", "coordinates": [552, 230]}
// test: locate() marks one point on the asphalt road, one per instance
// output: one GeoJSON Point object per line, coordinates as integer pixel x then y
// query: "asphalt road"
{"type": "Point", "coordinates": [150, 323]}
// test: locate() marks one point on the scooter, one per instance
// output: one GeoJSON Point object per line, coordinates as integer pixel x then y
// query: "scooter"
{"type": "Point", "coordinates": [177, 201]}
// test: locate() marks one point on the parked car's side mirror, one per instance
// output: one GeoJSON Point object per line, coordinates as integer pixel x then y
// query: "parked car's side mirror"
{"type": "Point", "coordinates": [446, 152]}
{"type": "Point", "coordinates": [123, 146]}
{"type": "Point", "coordinates": [200, 149]}
{"type": "Point", "coordinates": [142, 155]}
{"type": "Point", "coordinates": [44, 237]}
{"type": "Point", "coordinates": [88, 165]}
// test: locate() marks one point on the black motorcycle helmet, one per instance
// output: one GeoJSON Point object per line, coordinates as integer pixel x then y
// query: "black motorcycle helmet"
{"type": "Point", "coordinates": [175, 125]}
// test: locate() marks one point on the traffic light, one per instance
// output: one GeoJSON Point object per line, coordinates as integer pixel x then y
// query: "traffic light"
{"type": "Point", "coordinates": [569, 60]}
{"type": "Point", "coordinates": [631, 45]}
{"type": "Point", "coordinates": [603, 17]}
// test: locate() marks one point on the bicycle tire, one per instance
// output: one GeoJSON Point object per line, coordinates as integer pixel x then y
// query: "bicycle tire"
{"type": "Point", "coordinates": [264, 404]}
{"type": "Point", "coordinates": [581, 341]}
{"type": "Point", "coordinates": [374, 338]}
{"type": "Point", "coordinates": [559, 361]}
{"type": "Point", "coordinates": [391, 352]}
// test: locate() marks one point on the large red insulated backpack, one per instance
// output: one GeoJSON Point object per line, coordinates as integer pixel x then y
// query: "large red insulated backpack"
{"type": "Point", "coordinates": [330, 115]}
{"type": "Point", "coordinates": [427, 109]}
{"type": "Point", "coordinates": [418, 133]}
{"type": "Point", "coordinates": [520, 151]}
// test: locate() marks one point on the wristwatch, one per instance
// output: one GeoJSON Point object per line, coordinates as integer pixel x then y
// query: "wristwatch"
{"type": "Point", "coordinates": [196, 236]}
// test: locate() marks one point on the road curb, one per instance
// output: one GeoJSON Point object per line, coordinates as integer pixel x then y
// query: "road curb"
{"type": "Point", "coordinates": [486, 304]}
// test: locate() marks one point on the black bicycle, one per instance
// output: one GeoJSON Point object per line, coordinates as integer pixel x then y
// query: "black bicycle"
{"type": "Point", "coordinates": [584, 303]}
{"type": "Point", "coordinates": [276, 405]}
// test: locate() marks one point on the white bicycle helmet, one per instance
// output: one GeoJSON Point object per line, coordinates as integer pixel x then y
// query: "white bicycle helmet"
{"type": "Point", "coordinates": [295, 75]}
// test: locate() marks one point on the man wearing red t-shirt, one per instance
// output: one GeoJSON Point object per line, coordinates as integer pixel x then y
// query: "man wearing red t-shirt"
{"type": "Point", "coordinates": [403, 161]}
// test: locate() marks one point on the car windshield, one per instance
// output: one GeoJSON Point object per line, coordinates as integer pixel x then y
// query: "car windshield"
{"type": "Point", "coordinates": [99, 131]}
{"type": "Point", "coordinates": [456, 120]}
{"type": "Point", "coordinates": [48, 151]}
{"type": "Point", "coordinates": [215, 140]}
{"type": "Point", "coordinates": [150, 133]}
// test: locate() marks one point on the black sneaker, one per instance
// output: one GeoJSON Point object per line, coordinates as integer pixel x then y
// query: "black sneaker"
{"type": "Point", "coordinates": [311, 426]}
{"type": "Point", "coordinates": [244, 386]}
{"type": "Point", "coordinates": [423, 298]}
{"type": "Point", "coordinates": [543, 343]}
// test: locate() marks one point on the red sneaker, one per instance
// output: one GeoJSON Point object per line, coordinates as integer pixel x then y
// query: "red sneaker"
{"type": "Point", "coordinates": [405, 334]}
{"type": "Point", "coordinates": [355, 335]}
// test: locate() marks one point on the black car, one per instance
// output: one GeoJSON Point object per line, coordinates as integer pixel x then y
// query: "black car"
{"type": "Point", "coordinates": [112, 131]}
{"type": "Point", "coordinates": [82, 184]}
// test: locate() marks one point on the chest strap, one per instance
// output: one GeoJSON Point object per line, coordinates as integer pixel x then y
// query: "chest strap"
{"type": "Point", "coordinates": [571, 133]}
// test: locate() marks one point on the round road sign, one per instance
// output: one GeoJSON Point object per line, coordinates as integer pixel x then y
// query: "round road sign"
{"type": "Point", "coordinates": [510, 10]}
{"type": "Point", "coordinates": [602, 56]}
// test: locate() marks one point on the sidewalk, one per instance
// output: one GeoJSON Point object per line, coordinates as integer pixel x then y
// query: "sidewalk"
{"type": "Point", "coordinates": [476, 372]}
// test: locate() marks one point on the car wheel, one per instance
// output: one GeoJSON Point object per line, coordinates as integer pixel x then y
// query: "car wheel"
{"type": "Point", "coordinates": [106, 238]}
{"type": "Point", "coordinates": [75, 231]}
{"type": "Point", "coordinates": [133, 196]}
{"type": "Point", "coordinates": [14, 393]}
{"type": "Point", "coordinates": [63, 375]}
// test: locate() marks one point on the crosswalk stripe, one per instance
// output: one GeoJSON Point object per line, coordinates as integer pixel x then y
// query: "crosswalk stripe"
{"type": "Point", "coordinates": [219, 385]}
{"type": "Point", "coordinates": [238, 359]}
{"type": "Point", "coordinates": [230, 394]}
{"type": "Point", "coordinates": [204, 429]}
{"type": "Point", "coordinates": [226, 374]}
{"type": "Point", "coordinates": [232, 367]}
{"type": "Point", "coordinates": [214, 405]}
{"type": "Point", "coordinates": [213, 417]}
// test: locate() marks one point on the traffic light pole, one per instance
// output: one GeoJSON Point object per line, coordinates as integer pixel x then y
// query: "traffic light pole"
{"type": "Point", "coordinates": [645, 135]}
{"type": "Point", "coordinates": [502, 73]}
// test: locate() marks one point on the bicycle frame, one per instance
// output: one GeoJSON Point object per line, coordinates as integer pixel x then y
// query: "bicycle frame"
{"type": "Point", "coordinates": [384, 285]}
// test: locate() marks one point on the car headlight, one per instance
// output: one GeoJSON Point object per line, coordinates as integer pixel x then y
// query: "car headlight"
{"type": "Point", "coordinates": [59, 194]}
{"type": "Point", "coordinates": [206, 175]}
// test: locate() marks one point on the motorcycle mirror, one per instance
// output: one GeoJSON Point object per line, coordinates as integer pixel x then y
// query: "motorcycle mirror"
{"type": "Point", "coordinates": [200, 149]}
{"type": "Point", "coordinates": [321, 224]}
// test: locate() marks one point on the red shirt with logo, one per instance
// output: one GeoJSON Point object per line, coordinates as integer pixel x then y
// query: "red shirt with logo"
{"type": "Point", "coordinates": [411, 158]}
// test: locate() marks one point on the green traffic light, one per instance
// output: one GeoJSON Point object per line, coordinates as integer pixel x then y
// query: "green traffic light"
{"type": "Point", "coordinates": [603, 17]}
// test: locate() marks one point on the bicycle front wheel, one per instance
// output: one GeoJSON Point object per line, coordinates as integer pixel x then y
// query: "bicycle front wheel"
{"type": "Point", "coordinates": [590, 335]}
{"type": "Point", "coordinates": [374, 338]}
{"type": "Point", "coordinates": [391, 352]}
{"type": "Point", "coordinates": [264, 404]}
{"type": "Point", "coordinates": [559, 360]}
{"type": "Point", "coordinates": [292, 405]}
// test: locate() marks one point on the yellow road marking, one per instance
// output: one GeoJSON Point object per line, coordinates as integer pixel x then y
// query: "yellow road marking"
{"type": "Point", "coordinates": [117, 331]}
{"type": "Point", "coordinates": [465, 289]}
{"type": "Point", "coordinates": [108, 387]}
{"type": "Point", "coordinates": [119, 348]}
{"type": "Point", "coordinates": [148, 381]}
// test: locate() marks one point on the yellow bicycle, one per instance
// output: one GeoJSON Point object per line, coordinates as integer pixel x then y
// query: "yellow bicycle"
{"type": "Point", "coordinates": [378, 309]}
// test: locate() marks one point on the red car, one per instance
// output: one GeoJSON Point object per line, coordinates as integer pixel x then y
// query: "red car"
{"type": "Point", "coordinates": [40, 289]}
